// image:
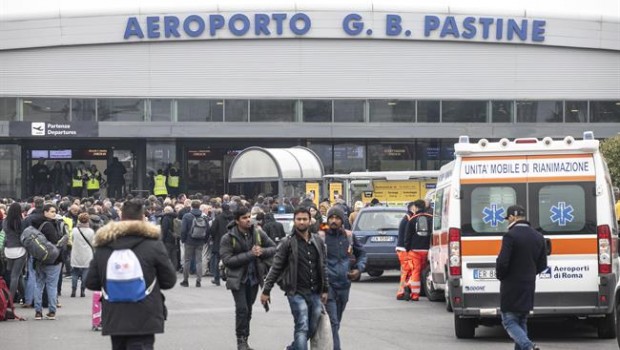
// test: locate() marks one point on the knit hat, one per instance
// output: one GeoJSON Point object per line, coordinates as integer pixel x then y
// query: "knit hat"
{"type": "Point", "coordinates": [336, 211]}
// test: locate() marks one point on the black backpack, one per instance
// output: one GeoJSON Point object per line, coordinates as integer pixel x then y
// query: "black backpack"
{"type": "Point", "coordinates": [423, 225]}
{"type": "Point", "coordinates": [199, 228]}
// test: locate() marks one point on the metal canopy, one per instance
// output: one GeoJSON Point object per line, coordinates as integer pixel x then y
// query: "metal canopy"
{"type": "Point", "coordinates": [257, 164]}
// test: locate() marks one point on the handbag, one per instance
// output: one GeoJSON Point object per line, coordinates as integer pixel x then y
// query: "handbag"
{"type": "Point", "coordinates": [323, 338]}
{"type": "Point", "coordinates": [87, 242]}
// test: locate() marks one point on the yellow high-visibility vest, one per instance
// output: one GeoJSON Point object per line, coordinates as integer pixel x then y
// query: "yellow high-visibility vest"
{"type": "Point", "coordinates": [69, 223]}
{"type": "Point", "coordinates": [173, 181]}
{"type": "Point", "coordinates": [78, 183]}
{"type": "Point", "coordinates": [160, 186]}
{"type": "Point", "coordinates": [93, 181]}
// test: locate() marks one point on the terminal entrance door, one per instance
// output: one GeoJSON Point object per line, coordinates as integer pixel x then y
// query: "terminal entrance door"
{"type": "Point", "coordinates": [51, 170]}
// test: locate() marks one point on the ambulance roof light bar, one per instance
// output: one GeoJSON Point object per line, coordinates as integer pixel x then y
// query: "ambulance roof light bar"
{"type": "Point", "coordinates": [588, 135]}
{"type": "Point", "coordinates": [463, 139]}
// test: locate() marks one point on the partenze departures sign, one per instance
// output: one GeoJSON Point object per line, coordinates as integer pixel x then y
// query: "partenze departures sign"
{"type": "Point", "coordinates": [375, 25]}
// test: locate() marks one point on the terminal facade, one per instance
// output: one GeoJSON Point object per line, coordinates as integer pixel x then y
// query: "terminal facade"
{"type": "Point", "coordinates": [369, 85]}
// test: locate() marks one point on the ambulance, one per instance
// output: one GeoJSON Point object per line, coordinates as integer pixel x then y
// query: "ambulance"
{"type": "Point", "coordinates": [567, 192]}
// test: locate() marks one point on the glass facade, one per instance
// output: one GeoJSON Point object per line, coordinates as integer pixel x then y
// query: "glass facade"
{"type": "Point", "coordinates": [349, 111]}
{"type": "Point", "coordinates": [464, 112]}
{"type": "Point", "coordinates": [309, 111]}
{"type": "Point", "coordinates": [317, 111]}
{"type": "Point", "coordinates": [161, 110]}
{"type": "Point", "coordinates": [8, 108]}
{"type": "Point", "coordinates": [605, 111]}
{"type": "Point", "coordinates": [10, 171]}
{"type": "Point", "coordinates": [200, 110]}
{"type": "Point", "coordinates": [428, 111]}
{"type": "Point", "coordinates": [272, 110]}
{"type": "Point", "coordinates": [120, 110]}
{"type": "Point", "coordinates": [236, 110]}
{"type": "Point", "coordinates": [46, 109]}
{"type": "Point", "coordinates": [540, 111]}
{"type": "Point", "coordinates": [391, 111]}
{"type": "Point", "coordinates": [502, 111]}
{"type": "Point", "coordinates": [84, 110]}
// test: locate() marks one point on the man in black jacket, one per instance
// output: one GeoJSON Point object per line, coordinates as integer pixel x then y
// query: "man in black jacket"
{"type": "Point", "coordinates": [193, 244]}
{"type": "Point", "coordinates": [116, 178]}
{"type": "Point", "coordinates": [133, 325]}
{"type": "Point", "coordinates": [522, 257]}
{"type": "Point", "coordinates": [274, 229]}
{"type": "Point", "coordinates": [244, 252]}
{"type": "Point", "coordinates": [167, 234]}
{"type": "Point", "coordinates": [219, 227]}
{"type": "Point", "coordinates": [417, 242]}
{"type": "Point", "coordinates": [305, 279]}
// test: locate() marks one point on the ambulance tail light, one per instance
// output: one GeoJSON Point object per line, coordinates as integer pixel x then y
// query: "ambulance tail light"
{"type": "Point", "coordinates": [604, 249]}
{"type": "Point", "coordinates": [454, 246]}
{"type": "Point", "coordinates": [528, 140]}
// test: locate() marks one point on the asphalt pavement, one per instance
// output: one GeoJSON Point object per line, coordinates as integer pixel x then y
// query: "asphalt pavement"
{"type": "Point", "coordinates": [203, 318]}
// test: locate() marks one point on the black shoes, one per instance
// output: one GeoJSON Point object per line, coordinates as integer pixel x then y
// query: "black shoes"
{"type": "Point", "coordinates": [184, 284]}
{"type": "Point", "coordinates": [198, 284]}
{"type": "Point", "coordinates": [217, 283]}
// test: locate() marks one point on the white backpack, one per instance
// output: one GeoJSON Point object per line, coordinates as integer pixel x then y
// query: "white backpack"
{"type": "Point", "coordinates": [124, 278]}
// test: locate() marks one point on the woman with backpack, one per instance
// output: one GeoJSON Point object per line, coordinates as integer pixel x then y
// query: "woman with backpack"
{"type": "Point", "coordinates": [13, 249]}
{"type": "Point", "coordinates": [82, 253]}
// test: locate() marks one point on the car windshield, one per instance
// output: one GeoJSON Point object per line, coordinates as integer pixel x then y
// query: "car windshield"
{"type": "Point", "coordinates": [378, 220]}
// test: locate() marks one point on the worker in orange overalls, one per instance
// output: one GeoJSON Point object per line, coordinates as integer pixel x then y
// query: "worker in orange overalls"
{"type": "Point", "coordinates": [403, 256]}
{"type": "Point", "coordinates": [417, 242]}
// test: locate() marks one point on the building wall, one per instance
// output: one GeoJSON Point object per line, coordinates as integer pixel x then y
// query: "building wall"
{"type": "Point", "coordinates": [313, 68]}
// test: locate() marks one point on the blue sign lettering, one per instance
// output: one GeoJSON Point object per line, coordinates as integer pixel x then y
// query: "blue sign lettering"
{"type": "Point", "coordinates": [393, 27]}
{"type": "Point", "coordinates": [300, 24]}
{"type": "Point", "coordinates": [352, 24]}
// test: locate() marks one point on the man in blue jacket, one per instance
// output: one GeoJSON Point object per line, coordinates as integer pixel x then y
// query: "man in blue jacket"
{"type": "Point", "coordinates": [194, 228]}
{"type": "Point", "coordinates": [522, 257]}
{"type": "Point", "coordinates": [346, 259]}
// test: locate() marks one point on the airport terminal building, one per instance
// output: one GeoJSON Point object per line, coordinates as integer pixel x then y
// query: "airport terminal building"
{"type": "Point", "coordinates": [368, 85]}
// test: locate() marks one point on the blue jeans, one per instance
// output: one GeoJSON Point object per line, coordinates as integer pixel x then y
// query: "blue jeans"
{"type": "Point", "coordinates": [337, 302]}
{"type": "Point", "coordinates": [47, 276]}
{"type": "Point", "coordinates": [31, 283]}
{"type": "Point", "coordinates": [516, 326]}
{"type": "Point", "coordinates": [78, 273]}
{"type": "Point", "coordinates": [306, 314]}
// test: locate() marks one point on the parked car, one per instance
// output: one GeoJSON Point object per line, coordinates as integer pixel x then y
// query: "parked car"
{"type": "Point", "coordinates": [377, 230]}
{"type": "Point", "coordinates": [286, 220]}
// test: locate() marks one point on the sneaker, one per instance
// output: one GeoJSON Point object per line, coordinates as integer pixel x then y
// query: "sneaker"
{"type": "Point", "coordinates": [415, 299]}
{"type": "Point", "coordinates": [198, 284]}
{"type": "Point", "coordinates": [184, 284]}
{"type": "Point", "coordinates": [38, 315]}
{"type": "Point", "coordinates": [217, 283]}
{"type": "Point", "coordinates": [401, 297]}
{"type": "Point", "coordinates": [58, 304]}
{"type": "Point", "coordinates": [82, 294]}
{"type": "Point", "coordinates": [27, 306]}
{"type": "Point", "coordinates": [50, 316]}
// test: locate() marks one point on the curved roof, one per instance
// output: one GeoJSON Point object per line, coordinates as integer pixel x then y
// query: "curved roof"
{"type": "Point", "coordinates": [257, 164]}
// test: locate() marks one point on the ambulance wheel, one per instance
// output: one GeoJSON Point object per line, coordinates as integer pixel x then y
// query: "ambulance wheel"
{"type": "Point", "coordinates": [464, 328]}
{"type": "Point", "coordinates": [447, 298]}
{"type": "Point", "coordinates": [375, 273]}
{"type": "Point", "coordinates": [607, 326]}
{"type": "Point", "coordinates": [429, 289]}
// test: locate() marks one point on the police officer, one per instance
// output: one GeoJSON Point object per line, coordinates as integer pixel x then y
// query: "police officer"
{"type": "Point", "coordinates": [77, 180]}
{"type": "Point", "coordinates": [174, 179]}
{"type": "Point", "coordinates": [159, 187]}
{"type": "Point", "coordinates": [93, 184]}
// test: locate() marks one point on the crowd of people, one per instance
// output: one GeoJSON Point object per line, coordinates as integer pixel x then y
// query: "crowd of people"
{"type": "Point", "coordinates": [199, 236]}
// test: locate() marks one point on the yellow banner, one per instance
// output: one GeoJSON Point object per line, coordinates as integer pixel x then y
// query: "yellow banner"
{"type": "Point", "coordinates": [313, 187]}
{"type": "Point", "coordinates": [397, 193]}
{"type": "Point", "coordinates": [334, 188]}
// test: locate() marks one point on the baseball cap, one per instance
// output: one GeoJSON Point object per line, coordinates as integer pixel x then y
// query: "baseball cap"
{"type": "Point", "coordinates": [515, 210]}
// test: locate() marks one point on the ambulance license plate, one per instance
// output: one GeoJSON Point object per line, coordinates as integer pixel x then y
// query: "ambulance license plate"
{"type": "Point", "coordinates": [484, 274]}
{"type": "Point", "coordinates": [382, 239]}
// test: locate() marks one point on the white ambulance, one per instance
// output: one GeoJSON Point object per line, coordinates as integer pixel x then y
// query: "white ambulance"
{"type": "Point", "coordinates": [567, 192]}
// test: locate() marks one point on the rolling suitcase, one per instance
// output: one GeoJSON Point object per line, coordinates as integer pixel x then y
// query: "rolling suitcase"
{"type": "Point", "coordinates": [96, 311]}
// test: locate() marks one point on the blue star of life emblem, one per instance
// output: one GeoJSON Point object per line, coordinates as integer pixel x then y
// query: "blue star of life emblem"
{"type": "Point", "coordinates": [493, 215]}
{"type": "Point", "coordinates": [562, 213]}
